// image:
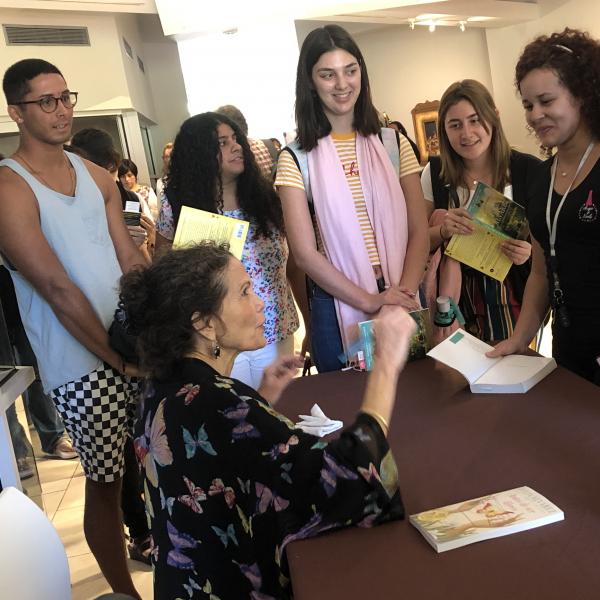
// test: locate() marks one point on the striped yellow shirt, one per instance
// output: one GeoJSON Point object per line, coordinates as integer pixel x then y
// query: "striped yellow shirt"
{"type": "Point", "coordinates": [289, 175]}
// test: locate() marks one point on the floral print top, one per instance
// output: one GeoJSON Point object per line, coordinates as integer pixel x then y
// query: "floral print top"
{"type": "Point", "coordinates": [229, 482]}
{"type": "Point", "coordinates": [265, 261]}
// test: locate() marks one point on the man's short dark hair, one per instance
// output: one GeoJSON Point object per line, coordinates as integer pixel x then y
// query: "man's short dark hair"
{"type": "Point", "coordinates": [235, 114]}
{"type": "Point", "coordinates": [17, 77]}
{"type": "Point", "coordinates": [96, 145]}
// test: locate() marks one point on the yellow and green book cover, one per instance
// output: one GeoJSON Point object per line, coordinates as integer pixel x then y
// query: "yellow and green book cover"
{"type": "Point", "coordinates": [496, 219]}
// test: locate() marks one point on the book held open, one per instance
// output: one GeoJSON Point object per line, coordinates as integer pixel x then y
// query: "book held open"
{"type": "Point", "coordinates": [513, 374]}
{"type": "Point", "coordinates": [485, 518]}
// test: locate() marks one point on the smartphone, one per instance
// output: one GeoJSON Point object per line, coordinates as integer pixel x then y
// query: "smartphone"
{"type": "Point", "coordinates": [131, 218]}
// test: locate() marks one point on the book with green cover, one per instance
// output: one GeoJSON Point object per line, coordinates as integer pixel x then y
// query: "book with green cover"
{"type": "Point", "coordinates": [496, 219]}
{"type": "Point", "coordinates": [420, 342]}
{"type": "Point", "coordinates": [484, 518]}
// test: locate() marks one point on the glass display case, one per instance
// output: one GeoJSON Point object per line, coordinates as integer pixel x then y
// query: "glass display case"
{"type": "Point", "coordinates": [17, 461]}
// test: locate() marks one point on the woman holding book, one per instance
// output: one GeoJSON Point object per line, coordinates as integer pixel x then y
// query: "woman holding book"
{"type": "Point", "coordinates": [473, 148]}
{"type": "Point", "coordinates": [212, 168]}
{"type": "Point", "coordinates": [557, 77]}
{"type": "Point", "coordinates": [355, 223]}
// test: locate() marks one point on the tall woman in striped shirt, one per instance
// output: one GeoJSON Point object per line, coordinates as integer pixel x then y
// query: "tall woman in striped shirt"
{"type": "Point", "coordinates": [356, 226]}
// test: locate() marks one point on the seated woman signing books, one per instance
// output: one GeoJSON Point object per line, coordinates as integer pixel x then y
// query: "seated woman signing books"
{"type": "Point", "coordinates": [473, 148]}
{"type": "Point", "coordinates": [229, 482]}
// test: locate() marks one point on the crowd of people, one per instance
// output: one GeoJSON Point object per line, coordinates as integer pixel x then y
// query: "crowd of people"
{"type": "Point", "coordinates": [346, 222]}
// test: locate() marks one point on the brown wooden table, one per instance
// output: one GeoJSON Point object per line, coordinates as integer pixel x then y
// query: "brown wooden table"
{"type": "Point", "coordinates": [451, 445]}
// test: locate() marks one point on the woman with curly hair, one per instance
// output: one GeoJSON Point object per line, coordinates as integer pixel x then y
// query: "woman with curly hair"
{"type": "Point", "coordinates": [213, 169]}
{"type": "Point", "coordinates": [352, 201]}
{"type": "Point", "coordinates": [558, 77]}
{"type": "Point", "coordinates": [229, 481]}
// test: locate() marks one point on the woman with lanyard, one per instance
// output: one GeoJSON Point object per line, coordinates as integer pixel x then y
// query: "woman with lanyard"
{"type": "Point", "coordinates": [558, 78]}
{"type": "Point", "coordinates": [356, 226]}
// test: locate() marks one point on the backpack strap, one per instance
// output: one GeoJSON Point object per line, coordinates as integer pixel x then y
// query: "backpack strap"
{"type": "Point", "coordinates": [301, 159]}
{"type": "Point", "coordinates": [391, 142]}
{"type": "Point", "coordinates": [440, 191]}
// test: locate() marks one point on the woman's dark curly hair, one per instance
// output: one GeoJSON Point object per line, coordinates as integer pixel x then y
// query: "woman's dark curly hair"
{"type": "Point", "coordinates": [160, 301]}
{"type": "Point", "coordinates": [194, 177]}
{"type": "Point", "coordinates": [311, 121]}
{"type": "Point", "coordinates": [575, 57]}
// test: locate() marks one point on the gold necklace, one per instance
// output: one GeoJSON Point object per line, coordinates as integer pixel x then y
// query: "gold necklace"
{"type": "Point", "coordinates": [40, 176]}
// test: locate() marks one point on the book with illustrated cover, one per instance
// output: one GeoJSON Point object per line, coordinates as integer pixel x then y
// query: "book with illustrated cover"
{"type": "Point", "coordinates": [420, 342]}
{"type": "Point", "coordinates": [496, 219]}
{"type": "Point", "coordinates": [512, 374]}
{"type": "Point", "coordinates": [485, 518]}
{"type": "Point", "coordinates": [199, 225]}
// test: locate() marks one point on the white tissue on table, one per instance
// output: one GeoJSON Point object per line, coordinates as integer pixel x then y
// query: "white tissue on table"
{"type": "Point", "coordinates": [317, 423]}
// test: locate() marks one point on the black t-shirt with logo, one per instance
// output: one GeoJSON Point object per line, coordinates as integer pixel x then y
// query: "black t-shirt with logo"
{"type": "Point", "coordinates": [577, 238]}
{"type": "Point", "coordinates": [578, 257]}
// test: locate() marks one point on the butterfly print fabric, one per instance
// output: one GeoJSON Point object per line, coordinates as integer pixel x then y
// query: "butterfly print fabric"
{"type": "Point", "coordinates": [229, 482]}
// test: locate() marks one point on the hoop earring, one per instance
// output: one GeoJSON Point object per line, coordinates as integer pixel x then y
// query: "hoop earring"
{"type": "Point", "coordinates": [216, 350]}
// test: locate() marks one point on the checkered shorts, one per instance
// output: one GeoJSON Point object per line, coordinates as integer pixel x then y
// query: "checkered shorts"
{"type": "Point", "coordinates": [98, 412]}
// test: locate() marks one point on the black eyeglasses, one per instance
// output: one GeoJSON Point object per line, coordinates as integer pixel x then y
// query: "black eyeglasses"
{"type": "Point", "coordinates": [50, 103]}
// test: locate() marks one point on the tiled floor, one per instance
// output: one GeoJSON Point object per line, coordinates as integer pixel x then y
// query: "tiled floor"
{"type": "Point", "coordinates": [63, 485]}
{"type": "Point", "coordinates": [63, 494]}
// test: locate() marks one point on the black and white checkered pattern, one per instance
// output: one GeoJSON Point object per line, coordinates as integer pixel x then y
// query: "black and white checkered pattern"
{"type": "Point", "coordinates": [98, 411]}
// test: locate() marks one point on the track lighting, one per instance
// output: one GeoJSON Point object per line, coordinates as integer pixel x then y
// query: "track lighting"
{"type": "Point", "coordinates": [462, 25]}
{"type": "Point", "coordinates": [432, 27]}
{"type": "Point", "coordinates": [411, 23]}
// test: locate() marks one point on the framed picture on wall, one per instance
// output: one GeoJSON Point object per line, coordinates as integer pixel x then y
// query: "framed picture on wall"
{"type": "Point", "coordinates": [425, 116]}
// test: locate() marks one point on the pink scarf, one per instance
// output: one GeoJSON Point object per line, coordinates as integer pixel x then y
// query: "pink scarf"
{"type": "Point", "coordinates": [450, 279]}
{"type": "Point", "coordinates": [339, 227]}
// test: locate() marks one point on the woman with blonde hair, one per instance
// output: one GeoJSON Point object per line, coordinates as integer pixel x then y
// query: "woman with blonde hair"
{"type": "Point", "coordinates": [473, 148]}
{"type": "Point", "coordinates": [166, 158]}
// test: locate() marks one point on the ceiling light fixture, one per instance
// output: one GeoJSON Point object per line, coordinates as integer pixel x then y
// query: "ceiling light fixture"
{"type": "Point", "coordinates": [432, 27]}
{"type": "Point", "coordinates": [411, 23]}
{"type": "Point", "coordinates": [462, 25]}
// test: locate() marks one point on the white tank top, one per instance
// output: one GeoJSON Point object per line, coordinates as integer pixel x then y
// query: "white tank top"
{"type": "Point", "coordinates": [77, 231]}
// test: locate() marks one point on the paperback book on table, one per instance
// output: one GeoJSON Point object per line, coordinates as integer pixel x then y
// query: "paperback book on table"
{"type": "Point", "coordinates": [485, 518]}
{"type": "Point", "coordinates": [496, 219]}
{"type": "Point", "coordinates": [513, 374]}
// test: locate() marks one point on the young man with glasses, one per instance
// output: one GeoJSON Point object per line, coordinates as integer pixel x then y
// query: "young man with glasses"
{"type": "Point", "coordinates": [66, 245]}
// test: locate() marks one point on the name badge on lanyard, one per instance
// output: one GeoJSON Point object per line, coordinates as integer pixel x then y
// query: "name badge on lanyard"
{"type": "Point", "coordinates": [558, 297]}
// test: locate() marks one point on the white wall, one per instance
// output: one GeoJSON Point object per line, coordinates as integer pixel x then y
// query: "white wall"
{"type": "Point", "coordinates": [137, 80]}
{"type": "Point", "coordinates": [505, 46]}
{"type": "Point", "coordinates": [255, 70]}
{"type": "Point", "coordinates": [95, 71]}
{"type": "Point", "coordinates": [411, 66]}
{"type": "Point", "coordinates": [166, 84]}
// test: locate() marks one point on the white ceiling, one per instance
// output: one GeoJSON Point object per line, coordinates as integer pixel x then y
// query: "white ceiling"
{"type": "Point", "coordinates": [188, 17]}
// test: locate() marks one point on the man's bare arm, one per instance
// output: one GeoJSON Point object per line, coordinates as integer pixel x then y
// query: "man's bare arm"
{"type": "Point", "coordinates": [24, 244]}
{"type": "Point", "coordinates": [128, 254]}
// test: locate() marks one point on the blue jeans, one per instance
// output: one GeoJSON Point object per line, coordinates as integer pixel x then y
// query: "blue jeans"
{"type": "Point", "coordinates": [325, 332]}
